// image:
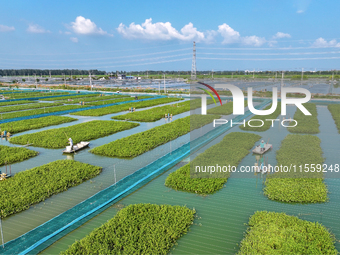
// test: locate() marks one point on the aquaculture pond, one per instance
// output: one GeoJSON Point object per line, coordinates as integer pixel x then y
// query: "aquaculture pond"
{"type": "Point", "coordinates": [219, 226]}
{"type": "Point", "coordinates": [222, 216]}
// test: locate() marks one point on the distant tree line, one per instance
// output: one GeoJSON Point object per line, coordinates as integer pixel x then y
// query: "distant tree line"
{"type": "Point", "coordinates": [38, 72]}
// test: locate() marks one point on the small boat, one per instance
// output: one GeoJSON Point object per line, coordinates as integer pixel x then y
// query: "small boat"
{"type": "Point", "coordinates": [257, 149]}
{"type": "Point", "coordinates": [76, 147]}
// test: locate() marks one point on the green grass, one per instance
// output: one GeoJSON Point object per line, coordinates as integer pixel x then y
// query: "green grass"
{"type": "Point", "coordinates": [11, 115]}
{"type": "Point", "coordinates": [137, 229]}
{"type": "Point", "coordinates": [223, 154]}
{"type": "Point", "coordinates": [57, 138]}
{"type": "Point", "coordinates": [24, 125]}
{"type": "Point", "coordinates": [27, 107]}
{"type": "Point", "coordinates": [335, 111]}
{"type": "Point", "coordinates": [140, 143]}
{"type": "Point", "coordinates": [278, 233]}
{"type": "Point", "coordinates": [32, 186]}
{"type": "Point", "coordinates": [296, 186]}
{"type": "Point", "coordinates": [307, 124]}
{"type": "Point", "coordinates": [124, 107]}
{"type": "Point", "coordinates": [10, 155]}
{"type": "Point", "coordinates": [267, 124]}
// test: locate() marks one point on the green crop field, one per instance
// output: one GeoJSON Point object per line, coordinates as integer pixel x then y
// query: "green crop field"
{"type": "Point", "coordinates": [16, 102]}
{"type": "Point", "coordinates": [10, 155]}
{"type": "Point", "coordinates": [70, 97]}
{"type": "Point", "coordinates": [32, 186]}
{"type": "Point", "coordinates": [335, 111]}
{"type": "Point", "coordinates": [137, 229]}
{"type": "Point", "coordinates": [140, 143]}
{"type": "Point", "coordinates": [298, 186]}
{"type": "Point", "coordinates": [57, 138]}
{"type": "Point", "coordinates": [223, 154]}
{"type": "Point", "coordinates": [24, 125]}
{"type": "Point", "coordinates": [102, 102]}
{"type": "Point", "coordinates": [278, 233]}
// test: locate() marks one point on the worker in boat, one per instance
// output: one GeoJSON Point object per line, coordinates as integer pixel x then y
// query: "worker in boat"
{"type": "Point", "coordinates": [262, 145]}
{"type": "Point", "coordinates": [71, 143]}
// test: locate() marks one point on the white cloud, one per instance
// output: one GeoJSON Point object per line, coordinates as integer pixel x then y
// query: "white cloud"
{"type": "Point", "coordinates": [322, 43]}
{"type": "Point", "coordinates": [36, 29]}
{"type": "Point", "coordinates": [74, 39]}
{"type": "Point", "coordinates": [87, 27]}
{"type": "Point", "coordinates": [253, 40]}
{"type": "Point", "coordinates": [163, 31]}
{"type": "Point", "coordinates": [229, 35]}
{"type": "Point", "coordinates": [280, 35]}
{"type": "Point", "coordinates": [4, 28]}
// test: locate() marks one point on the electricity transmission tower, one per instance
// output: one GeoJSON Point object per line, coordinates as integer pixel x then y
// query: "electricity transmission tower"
{"type": "Point", "coordinates": [193, 66]}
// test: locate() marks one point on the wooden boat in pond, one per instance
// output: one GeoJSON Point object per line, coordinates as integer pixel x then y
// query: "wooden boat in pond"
{"type": "Point", "coordinates": [76, 147]}
{"type": "Point", "coordinates": [267, 147]}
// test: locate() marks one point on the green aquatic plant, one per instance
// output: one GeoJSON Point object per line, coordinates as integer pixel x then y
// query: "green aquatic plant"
{"type": "Point", "coordinates": [10, 155]}
{"type": "Point", "coordinates": [230, 151]}
{"type": "Point", "coordinates": [125, 107]}
{"type": "Point", "coordinates": [335, 111]}
{"type": "Point", "coordinates": [278, 233]}
{"type": "Point", "coordinates": [267, 124]}
{"type": "Point", "coordinates": [32, 186]}
{"type": "Point", "coordinates": [57, 138]}
{"type": "Point", "coordinates": [307, 124]}
{"type": "Point", "coordinates": [140, 143]}
{"type": "Point", "coordinates": [16, 102]}
{"type": "Point", "coordinates": [27, 107]}
{"type": "Point", "coordinates": [11, 115]}
{"type": "Point", "coordinates": [298, 184]}
{"type": "Point", "coordinates": [102, 102]}
{"type": "Point", "coordinates": [70, 97]}
{"type": "Point", "coordinates": [24, 125]}
{"type": "Point", "coordinates": [137, 229]}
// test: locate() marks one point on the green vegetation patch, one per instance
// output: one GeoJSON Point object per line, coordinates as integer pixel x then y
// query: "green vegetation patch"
{"type": "Point", "coordinates": [69, 97]}
{"type": "Point", "coordinates": [278, 233]}
{"type": "Point", "coordinates": [34, 94]}
{"type": "Point", "coordinates": [9, 155]}
{"type": "Point", "coordinates": [57, 138]}
{"type": "Point", "coordinates": [29, 106]}
{"type": "Point", "coordinates": [32, 186]}
{"type": "Point", "coordinates": [307, 124]}
{"type": "Point", "coordinates": [16, 102]}
{"type": "Point", "coordinates": [140, 143]}
{"type": "Point", "coordinates": [90, 99]}
{"type": "Point", "coordinates": [11, 115]}
{"type": "Point", "coordinates": [24, 125]}
{"type": "Point", "coordinates": [137, 229]}
{"type": "Point", "coordinates": [116, 100]}
{"type": "Point", "coordinates": [298, 185]}
{"type": "Point", "coordinates": [230, 151]}
{"type": "Point", "coordinates": [125, 107]}
{"type": "Point", "coordinates": [335, 111]}
{"type": "Point", "coordinates": [266, 125]}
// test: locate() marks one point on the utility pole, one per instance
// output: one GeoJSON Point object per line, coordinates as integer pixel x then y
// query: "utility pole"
{"type": "Point", "coordinates": [50, 75]}
{"type": "Point", "coordinates": [90, 80]}
{"type": "Point", "coordinates": [212, 74]}
{"type": "Point", "coordinates": [301, 76]}
{"type": "Point", "coordinates": [164, 84]}
{"type": "Point", "coordinates": [36, 85]}
{"type": "Point", "coordinates": [193, 65]}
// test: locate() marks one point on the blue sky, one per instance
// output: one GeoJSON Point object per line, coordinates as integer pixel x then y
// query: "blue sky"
{"type": "Point", "coordinates": [158, 35]}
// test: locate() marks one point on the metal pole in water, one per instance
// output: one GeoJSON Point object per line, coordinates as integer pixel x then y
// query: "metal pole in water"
{"type": "Point", "coordinates": [2, 235]}
{"type": "Point", "coordinates": [114, 172]}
